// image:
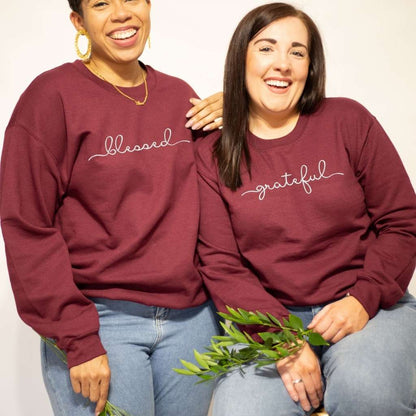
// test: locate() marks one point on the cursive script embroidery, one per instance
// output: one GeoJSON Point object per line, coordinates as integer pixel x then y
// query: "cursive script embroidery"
{"type": "Point", "coordinates": [114, 147]}
{"type": "Point", "coordinates": [304, 180]}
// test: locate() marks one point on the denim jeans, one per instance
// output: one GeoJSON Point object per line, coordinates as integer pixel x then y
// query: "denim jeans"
{"type": "Point", "coordinates": [143, 344]}
{"type": "Point", "coordinates": [369, 373]}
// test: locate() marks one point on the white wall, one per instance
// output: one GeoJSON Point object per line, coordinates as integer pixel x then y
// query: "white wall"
{"type": "Point", "coordinates": [370, 47]}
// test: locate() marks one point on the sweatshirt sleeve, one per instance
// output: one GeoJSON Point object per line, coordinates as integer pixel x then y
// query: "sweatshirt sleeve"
{"type": "Point", "coordinates": [391, 204]}
{"type": "Point", "coordinates": [225, 272]}
{"type": "Point", "coordinates": [32, 189]}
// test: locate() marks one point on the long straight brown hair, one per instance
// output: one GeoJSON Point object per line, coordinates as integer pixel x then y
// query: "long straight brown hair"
{"type": "Point", "coordinates": [231, 149]}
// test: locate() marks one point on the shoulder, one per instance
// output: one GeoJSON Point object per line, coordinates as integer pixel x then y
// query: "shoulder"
{"type": "Point", "coordinates": [40, 106]}
{"type": "Point", "coordinates": [46, 89]}
{"type": "Point", "coordinates": [343, 107]}
{"type": "Point", "coordinates": [170, 82]}
{"type": "Point", "coordinates": [55, 77]}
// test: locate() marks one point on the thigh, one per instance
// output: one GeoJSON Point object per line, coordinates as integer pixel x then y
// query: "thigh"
{"type": "Point", "coordinates": [253, 391]}
{"type": "Point", "coordinates": [127, 333]}
{"type": "Point", "coordinates": [374, 369]}
{"type": "Point", "coordinates": [182, 331]}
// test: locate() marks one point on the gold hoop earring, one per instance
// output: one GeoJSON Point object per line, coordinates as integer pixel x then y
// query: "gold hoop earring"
{"type": "Point", "coordinates": [87, 55]}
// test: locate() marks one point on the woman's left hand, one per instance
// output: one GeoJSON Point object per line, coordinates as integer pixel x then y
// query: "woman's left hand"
{"type": "Point", "coordinates": [339, 319]}
{"type": "Point", "coordinates": [205, 114]}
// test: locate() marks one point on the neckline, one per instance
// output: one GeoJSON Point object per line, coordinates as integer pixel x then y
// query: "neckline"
{"type": "Point", "coordinates": [150, 79]}
{"type": "Point", "coordinates": [291, 137]}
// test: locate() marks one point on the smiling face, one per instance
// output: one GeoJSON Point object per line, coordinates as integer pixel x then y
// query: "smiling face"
{"type": "Point", "coordinates": [277, 65]}
{"type": "Point", "coordinates": [118, 29]}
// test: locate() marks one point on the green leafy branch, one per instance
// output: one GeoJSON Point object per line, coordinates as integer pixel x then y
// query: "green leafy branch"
{"type": "Point", "coordinates": [109, 409]}
{"type": "Point", "coordinates": [288, 337]}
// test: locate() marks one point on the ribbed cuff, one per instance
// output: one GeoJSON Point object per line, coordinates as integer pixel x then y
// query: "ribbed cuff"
{"type": "Point", "coordinates": [368, 295]}
{"type": "Point", "coordinates": [84, 349]}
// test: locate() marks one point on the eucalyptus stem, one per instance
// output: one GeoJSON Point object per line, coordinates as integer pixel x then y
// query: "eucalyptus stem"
{"type": "Point", "coordinates": [109, 409]}
{"type": "Point", "coordinates": [287, 338]}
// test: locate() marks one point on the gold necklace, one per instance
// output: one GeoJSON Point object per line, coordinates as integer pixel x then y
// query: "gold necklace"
{"type": "Point", "coordinates": [137, 102]}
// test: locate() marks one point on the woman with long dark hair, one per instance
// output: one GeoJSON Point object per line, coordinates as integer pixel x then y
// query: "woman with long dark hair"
{"type": "Point", "coordinates": [307, 209]}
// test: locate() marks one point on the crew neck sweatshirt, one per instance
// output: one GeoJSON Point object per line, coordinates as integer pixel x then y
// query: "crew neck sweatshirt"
{"type": "Point", "coordinates": [99, 198]}
{"type": "Point", "coordinates": [328, 210]}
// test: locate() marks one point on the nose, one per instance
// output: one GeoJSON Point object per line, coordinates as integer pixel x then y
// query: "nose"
{"type": "Point", "coordinates": [281, 62]}
{"type": "Point", "coordinates": [120, 12]}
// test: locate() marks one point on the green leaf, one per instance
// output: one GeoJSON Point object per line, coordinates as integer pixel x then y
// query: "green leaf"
{"type": "Point", "coordinates": [271, 354]}
{"type": "Point", "coordinates": [290, 338]}
{"type": "Point", "coordinates": [244, 314]}
{"type": "Point", "coordinates": [221, 337]}
{"type": "Point", "coordinates": [233, 313]}
{"type": "Point", "coordinates": [276, 337]}
{"type": "Point", "coordinates": [221, 358]}
{"type": "Point", "coordinates": [190, 366]}
{"type": "Point", "coordinates": [282, 351]}
{"type": "Point", "coordinates": [200, 359]}
{"type": "Point", "coordinates": [226, 343]}
{"type": "Point", "coordinates": [316, 339]}
{"type": "Point", "coordinates": [263, 317]}
{"type": "Point", "coordinates": [184, 372]}
{"type": "Point", "coordinates": [295, 322]}
{"type": "Point", "coordinates": [274, 320]}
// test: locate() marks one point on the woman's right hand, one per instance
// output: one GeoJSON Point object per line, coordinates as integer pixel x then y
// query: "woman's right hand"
{"type": "Point", "coordinates": [304, 366]}
{"type": "Point", "coordinates": [92, 379]}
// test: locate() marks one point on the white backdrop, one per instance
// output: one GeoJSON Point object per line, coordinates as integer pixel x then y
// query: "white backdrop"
{"type": "Point", "coordinates": [370, 49]}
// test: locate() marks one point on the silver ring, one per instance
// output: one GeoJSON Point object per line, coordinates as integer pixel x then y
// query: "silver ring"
{"type": "Point", "coordinates": [298, 380]}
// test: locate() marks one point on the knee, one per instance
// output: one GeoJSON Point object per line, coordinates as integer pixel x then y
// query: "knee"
{"type": "Point", "coordinates": [366, 393]}
{"type": "Point", "coordinates": [256, 392]}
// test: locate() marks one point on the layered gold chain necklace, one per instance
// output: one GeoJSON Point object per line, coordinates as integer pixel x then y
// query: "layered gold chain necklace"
{"type": "Point", "coordinates": [137, 102]}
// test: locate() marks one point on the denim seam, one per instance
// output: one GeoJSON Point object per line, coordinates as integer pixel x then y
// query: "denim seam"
{"type": "Point", "coordinates": [160, 318]}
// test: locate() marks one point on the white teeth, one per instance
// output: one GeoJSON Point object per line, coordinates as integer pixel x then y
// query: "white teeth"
{"type": "Point", "coordinates": [276, 83]}
{"type": "Point", "coordinates": [123, 35]}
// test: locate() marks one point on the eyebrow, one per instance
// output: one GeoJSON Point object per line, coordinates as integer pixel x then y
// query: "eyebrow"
{"type": "Point", "coordinates": [274, 41]}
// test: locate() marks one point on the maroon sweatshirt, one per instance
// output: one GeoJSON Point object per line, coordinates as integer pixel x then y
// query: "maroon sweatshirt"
{"type": "Point", "coordinates": [99, 198]}
{"type": "Point", "coordinates": [329, 209]}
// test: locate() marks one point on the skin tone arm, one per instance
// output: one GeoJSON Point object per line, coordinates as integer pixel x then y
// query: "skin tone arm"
{"type": "Point", "coordinates": [206, 114]}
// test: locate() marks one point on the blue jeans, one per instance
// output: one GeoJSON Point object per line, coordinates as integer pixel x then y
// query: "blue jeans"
{"type": "Point", "coordinates": [143, 344]}
{"type": "Point", "coordinates": [369, 373]}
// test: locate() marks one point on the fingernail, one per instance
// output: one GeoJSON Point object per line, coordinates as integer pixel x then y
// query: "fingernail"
{"type": "Point", "coordinates": [190, 113]}
{"type": "Point", "coordinates": [188, 124]}
{"type": "Point", "coordinates": [196, 126]}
